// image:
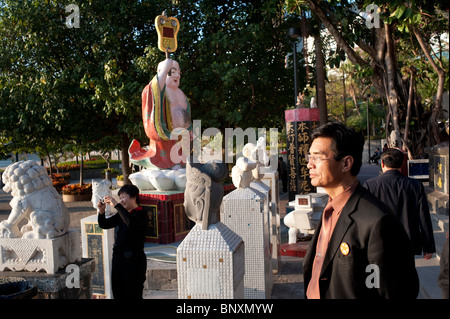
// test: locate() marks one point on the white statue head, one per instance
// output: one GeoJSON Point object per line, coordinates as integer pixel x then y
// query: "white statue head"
{"type": "Point", "coordinates": [25, 177]}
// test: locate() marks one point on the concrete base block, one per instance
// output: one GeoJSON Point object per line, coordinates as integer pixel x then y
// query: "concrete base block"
{"type": "Point", "coordinates": [73, 284]}
{"type": "Point", "coordinates": [49, 255]}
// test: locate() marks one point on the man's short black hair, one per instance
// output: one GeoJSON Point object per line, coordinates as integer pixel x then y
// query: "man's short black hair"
{"type": "Point", "coordinates": [392, 158]}
{"type": "Point", "coordinates": [131, 190]}
{"type": "Point", "coordinates": [346, 141]}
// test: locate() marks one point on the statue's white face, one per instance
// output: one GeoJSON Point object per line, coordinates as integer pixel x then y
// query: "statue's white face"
{"type": "Point", "coordinates": [173, 80]}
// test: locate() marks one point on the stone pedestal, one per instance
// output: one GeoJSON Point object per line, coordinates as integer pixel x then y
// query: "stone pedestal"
{"type": "Point", "coordinates": [49, 255]}
{"type": "Point", "coordinates": [299, 125]}
{"type": "Point", "coordinates": [271, 179]}
{"type": "Point", "coordinates": [97, 244]}
{"type": "Point", "coordinates": [244, 212]}
{"type": "Point", "coordinates": [210, 264]}
{"type": "Point", "coordinates": [68, 283]}
{"type": "Point", "coordinates": [438, 193]}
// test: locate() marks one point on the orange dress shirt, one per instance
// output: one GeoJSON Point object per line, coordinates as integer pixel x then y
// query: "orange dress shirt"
{"type": "Point", "coordinates": [330, 217]}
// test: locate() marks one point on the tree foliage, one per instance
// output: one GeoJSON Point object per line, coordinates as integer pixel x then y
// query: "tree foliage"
{"type": "Point", "coordinates": [82, 86]}
{"type": "Point", "coordinates": [233, 59]}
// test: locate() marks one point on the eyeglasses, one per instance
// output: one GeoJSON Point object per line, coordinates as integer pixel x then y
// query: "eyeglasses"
{"type": "Point", "coordinates": [315, 159]}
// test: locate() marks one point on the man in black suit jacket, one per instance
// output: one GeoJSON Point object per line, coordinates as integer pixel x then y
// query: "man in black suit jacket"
{"type": "Point", "coordinates": [366, 253]}
{"type": "Point", "coordinates": [407, 199]}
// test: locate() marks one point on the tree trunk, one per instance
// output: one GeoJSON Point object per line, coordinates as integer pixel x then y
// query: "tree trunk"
{"type": "Point", "coordinates": [126, 169]}
{"type": "Point", "coordinates": [81, 170]}
{"type": "Point", "coordinates": [408, 109]}
{"type": "Point", "coordinates": [49, 162]}
{"type": "Point", "coordinates": [320, 81]}
{"type": "Point", "coordinates": [440, 89]}
{"type": "Point", "coordinates": [391, 73]}
{"type": "Point", "coordinates": [305, 35]}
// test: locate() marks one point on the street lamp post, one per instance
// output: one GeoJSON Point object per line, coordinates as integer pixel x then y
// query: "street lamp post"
{"type": "Point", "coordinates": [368, 126]}
{"type": "Point", "coordinates": [294, 33]}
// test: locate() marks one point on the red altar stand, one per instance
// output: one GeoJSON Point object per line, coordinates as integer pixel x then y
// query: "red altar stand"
{"type": "Point", "coordinates": [168, 221]}
{"type": "Point", "coordinates": [295, 250]}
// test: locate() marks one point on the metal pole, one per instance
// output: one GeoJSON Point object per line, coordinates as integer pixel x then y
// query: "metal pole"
{"type": "Point", "coordinates": [368, 127]}
{"type": "Point", "coordinates": [295, 73]}
{"type": "Point", "coordinates": [345, 103]}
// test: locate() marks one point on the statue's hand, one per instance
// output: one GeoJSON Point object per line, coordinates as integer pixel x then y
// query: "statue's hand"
{"type": "Point", "coordinates": [166, 65]}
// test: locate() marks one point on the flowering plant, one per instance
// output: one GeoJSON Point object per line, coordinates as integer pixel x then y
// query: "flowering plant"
{"type": "Point", "coordinates": [77, 189]}
{"type": "Point", "coordinates": [60, 180]}
{"type": "Point", "coordinates": [56, 176]}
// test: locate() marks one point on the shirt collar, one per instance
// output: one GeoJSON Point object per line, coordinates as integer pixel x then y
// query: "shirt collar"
{"type": "Point", "coordinates": [139, 208]}
{"type": "Point", "coordinates": [339, 201]}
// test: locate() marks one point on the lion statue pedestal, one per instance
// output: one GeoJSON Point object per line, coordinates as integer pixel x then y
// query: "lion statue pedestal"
{"type": "Point", "coordinates": [44, 242]}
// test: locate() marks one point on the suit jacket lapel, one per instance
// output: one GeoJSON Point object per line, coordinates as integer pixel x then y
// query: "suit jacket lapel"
{"type": "Point", "coordinates": [311, 252]}
{"type": "Point", "coordinates": [342, 225]}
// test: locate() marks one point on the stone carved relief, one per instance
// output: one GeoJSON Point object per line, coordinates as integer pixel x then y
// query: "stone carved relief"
{"type": "Point", "coordinates": [49, 255]}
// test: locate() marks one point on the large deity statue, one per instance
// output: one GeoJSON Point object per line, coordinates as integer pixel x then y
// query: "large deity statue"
{"type": "Point", "coordinates": [165, 108]}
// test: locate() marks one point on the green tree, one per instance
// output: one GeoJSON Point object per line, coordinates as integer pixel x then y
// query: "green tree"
{"type": "Point", "coordinates": [383, 58]}
{"type": "Point", "coordinates": [64, 85]}
{"type": "Point", "coordinates": [41, 62]}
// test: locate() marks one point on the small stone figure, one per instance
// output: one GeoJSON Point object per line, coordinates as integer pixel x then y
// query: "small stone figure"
{"type": "Point", "coordinates": [204, 191]}
{"type": "Point", "coordinates": [313, 103]}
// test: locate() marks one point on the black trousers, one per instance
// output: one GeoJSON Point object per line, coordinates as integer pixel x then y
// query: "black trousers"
{"type": "Point", "coordinates": [128, 274]}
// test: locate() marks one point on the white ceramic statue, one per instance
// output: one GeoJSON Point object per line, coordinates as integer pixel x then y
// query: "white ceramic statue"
{"type": "Point", "coordinates": [34, 199]}
{"type": "Point", "coordinates": [257, 153]}
{"type": "Point", "coordinates": [149, 179]}
{"type": "Point", "coordinates": [99, 191]}
{"type": "Point", "coordinates": [241, 174]}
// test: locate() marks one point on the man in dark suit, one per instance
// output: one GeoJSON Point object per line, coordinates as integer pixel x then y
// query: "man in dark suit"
{"type": "Point", "coordinates": [358, 250]}
{"type": "Point", "coordinates": [407, 199]}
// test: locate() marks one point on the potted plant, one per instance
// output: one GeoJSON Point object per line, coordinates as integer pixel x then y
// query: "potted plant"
{"type": "Point", "coordinates": [120, 181]}
{"type": "Point", "coordinates": [77, 192]}
{"type": "Point", "coordinates": [110, 173]}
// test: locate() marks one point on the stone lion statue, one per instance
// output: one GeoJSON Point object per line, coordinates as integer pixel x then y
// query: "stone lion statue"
{"type": "Point", "coordinates": [34, 199]}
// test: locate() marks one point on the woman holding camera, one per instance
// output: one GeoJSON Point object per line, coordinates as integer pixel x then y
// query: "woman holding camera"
{"type": "Point", "coordinates": [129, 263]}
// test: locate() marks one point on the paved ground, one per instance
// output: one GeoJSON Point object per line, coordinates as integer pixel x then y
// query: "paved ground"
{"type": "Point", "coordinates": [288, 283]}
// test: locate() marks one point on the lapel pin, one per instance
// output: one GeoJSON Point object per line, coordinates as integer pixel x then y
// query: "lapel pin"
{"type": "Point", "coordinates": [345, 249]}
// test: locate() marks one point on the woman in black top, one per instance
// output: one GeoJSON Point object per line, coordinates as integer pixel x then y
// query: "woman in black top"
{"type": "Point", "coordinates": [129, 263]}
